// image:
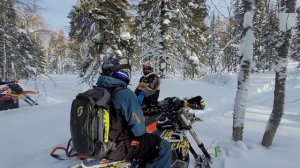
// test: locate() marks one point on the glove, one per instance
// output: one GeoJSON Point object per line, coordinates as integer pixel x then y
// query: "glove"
{"type": "Point", "coordinates": [141, 97]}
{"type": "Point", "coordinates": [196, 103]}
{"type": "Point", "coordinates": [176, 102]}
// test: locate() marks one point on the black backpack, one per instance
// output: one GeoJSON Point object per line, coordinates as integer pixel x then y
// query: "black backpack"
{"type": "Point", "coordinates": [90, 121]}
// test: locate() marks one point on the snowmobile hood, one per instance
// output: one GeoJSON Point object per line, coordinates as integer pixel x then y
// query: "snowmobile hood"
{"type": "Point", "coordinates": [110, 82]}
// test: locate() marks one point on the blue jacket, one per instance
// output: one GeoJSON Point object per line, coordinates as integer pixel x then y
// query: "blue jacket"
{"type": "Point", "coordinates": [126, 102]}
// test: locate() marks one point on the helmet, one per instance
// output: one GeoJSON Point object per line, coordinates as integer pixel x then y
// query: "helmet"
{"type": "Point", "coordinates": [123, 75]}
{"type": "Point", "coordinates": [148, 64]}
{"type": "Point", "coordinates": [114, 67]}
{"type": "Point", "coordinates": [147, 67]}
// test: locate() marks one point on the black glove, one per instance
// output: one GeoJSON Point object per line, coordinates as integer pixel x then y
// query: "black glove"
{"type": "Point", "coordinates": [196, 103]}
{"type": "Point", "coordinates": [176, 103]}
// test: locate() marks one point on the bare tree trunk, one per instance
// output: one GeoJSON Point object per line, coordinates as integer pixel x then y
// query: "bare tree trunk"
{"type": "Point", "coordinates": [246, 51]}
{"type": "Point", "coordinates": [4, 43]}
{"type": "Point", "coordinates": [58, 70]}
{"type": "Point", "coordinates": [162, 59]}
{"type": "Point", "coordinates": [280, 79]}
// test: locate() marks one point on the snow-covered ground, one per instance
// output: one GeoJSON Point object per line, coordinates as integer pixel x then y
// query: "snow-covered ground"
{"type": "Point", "coordinates": [28, 134]}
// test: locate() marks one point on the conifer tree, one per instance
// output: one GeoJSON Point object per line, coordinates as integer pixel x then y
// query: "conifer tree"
{"type": "Point", "coordinates": [8, 42]}
{"type": "Point", "coordinates": [269, 39]}
{"type": "Point", "coordinates": [173, 34]}
{"type": "Point", "coordinates": [40, 55]}
{"type": "Point", "coordinates": [237, 32]}
{"type": "Point", "coordinates": [19, 47]}
{"type": "Point", "coordinates": [231, 59]}
{"type": "Point", "coordinates": [100, 28]}
{"type": "Point", "coordinates": [259, 16]}
{"type": "Point", "coordinates": [149, 25]}
{"type": "Point", "coordinates": [57, 52]}
{"type": "Point", "coordinates": [26, 54]}
{"type": "Point", "coordinates": [197, 34]}
{"type": "Point", "coordinates": [214, 50]}
{"type": "Point", "coordinates": [295, 46]}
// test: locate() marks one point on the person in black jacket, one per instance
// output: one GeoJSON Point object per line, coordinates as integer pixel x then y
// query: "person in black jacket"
{"type": "Point", "coordinates": [148, 89]}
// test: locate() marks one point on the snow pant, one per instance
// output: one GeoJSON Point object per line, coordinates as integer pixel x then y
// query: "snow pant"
{"type": "Point", "coordinates": [150, 150]}
{"type": "Point", "coordinates": [164, 158]}
{"type": "Point", "coordinates": [153, 152]}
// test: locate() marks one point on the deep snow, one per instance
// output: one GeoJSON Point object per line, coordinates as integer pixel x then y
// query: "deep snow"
{"type": "Point", "coordinates": [28, 134]}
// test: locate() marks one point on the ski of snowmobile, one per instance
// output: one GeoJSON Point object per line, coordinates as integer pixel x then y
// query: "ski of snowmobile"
{"type": "Point", "coordinates": [29, 100]}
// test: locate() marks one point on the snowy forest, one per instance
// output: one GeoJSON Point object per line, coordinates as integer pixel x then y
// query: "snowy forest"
{"type": "Point", "coordinates": [187, 39]}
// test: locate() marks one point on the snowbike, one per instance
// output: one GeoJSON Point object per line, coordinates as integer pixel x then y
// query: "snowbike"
{"type": "Point", "coordinates": [170, 120]}
{"type": "Point", "coordinates": [12, 93]}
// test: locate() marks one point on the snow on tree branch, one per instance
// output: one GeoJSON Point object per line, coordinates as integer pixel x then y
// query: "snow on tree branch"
{"type": "Point", "coordinates": [286, 21]}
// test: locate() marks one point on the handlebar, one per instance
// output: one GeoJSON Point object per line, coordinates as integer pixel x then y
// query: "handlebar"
{"type": "Point", "coordinates": [173, 105]}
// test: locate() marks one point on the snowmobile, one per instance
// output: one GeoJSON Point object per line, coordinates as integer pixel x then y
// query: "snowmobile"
{"type": "Point", "coordinates": [171, 120]}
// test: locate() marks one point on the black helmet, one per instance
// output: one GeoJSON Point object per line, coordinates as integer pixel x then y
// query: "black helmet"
{"type": "Point", "coordinates": [114, 67]}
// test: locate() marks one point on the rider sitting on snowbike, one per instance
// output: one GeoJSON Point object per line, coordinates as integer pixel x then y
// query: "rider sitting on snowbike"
{"type": "Point", "coordinates": [132, 140]}
{"type": "Point", "coordinates": [148, 88]}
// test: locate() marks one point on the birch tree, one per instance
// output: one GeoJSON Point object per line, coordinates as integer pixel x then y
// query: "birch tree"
{"type": "Point", "coordinates": [246, 52]}
{"type": "Point", "coordinates": [286, 18]}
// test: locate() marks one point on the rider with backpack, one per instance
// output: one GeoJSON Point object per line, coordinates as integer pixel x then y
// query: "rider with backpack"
{"type": "Point", "coordinates": [127, 127]}
{"type": "Point", "coordinates": [107, 122]}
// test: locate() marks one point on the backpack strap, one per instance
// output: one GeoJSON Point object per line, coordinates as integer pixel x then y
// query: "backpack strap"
{"type": "Point", "coordinates": [107, 96]}
{"type": "Point", "coordinates": [118, 88]}
{"type": "Point", "coordinates": [103, 102]}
